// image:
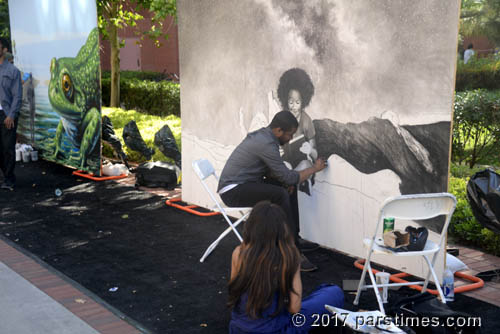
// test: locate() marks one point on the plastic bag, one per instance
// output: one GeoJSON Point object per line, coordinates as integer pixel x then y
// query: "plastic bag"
{"type": "Point", "coordinates": [109, 136]}
{"type": "Point", "coordinates": [134, 141]}
{"type": "Point", "coordinates": [114, 169]}
{"type": "Point", "coordinates": [165, 141]}
{"type": "Point", "coordinates": [483, 193]}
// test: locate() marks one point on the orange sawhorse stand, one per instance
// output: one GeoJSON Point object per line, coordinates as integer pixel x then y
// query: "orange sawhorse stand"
{"type": "Point", "coordinates": [92, 177]}
{"type": "Point", "coordinates": [189, 208]}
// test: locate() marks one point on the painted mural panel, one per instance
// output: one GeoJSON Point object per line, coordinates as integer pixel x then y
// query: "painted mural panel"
{"type": "Point", "coordinates": [56, 46]}
{"type": "Point", "coordinates": [370, 82]}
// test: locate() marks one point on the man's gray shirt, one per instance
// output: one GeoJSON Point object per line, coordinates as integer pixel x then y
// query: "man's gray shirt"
{"type": "Point", "coordinates": [256, 156]}
{"type": "Point", "coordinates": [11, 89]}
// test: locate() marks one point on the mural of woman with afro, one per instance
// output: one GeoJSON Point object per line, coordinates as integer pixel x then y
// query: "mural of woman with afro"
{"type": "Point", "coordinates": [295, 91]}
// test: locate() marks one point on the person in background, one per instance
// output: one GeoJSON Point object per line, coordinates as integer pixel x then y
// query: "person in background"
{"type": "Point", "coordinates": [265, 289]}
{"type": "Point", "coordinates": [469, 53]}
{"type": "Point", "coordinates": [11, 93]}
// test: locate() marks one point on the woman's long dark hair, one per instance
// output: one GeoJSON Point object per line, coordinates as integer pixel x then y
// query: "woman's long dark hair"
{"type": "Point", "coordinates": [268, 261]}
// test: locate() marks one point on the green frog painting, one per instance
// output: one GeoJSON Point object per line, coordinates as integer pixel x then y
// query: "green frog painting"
{"type": "Point", "coordinates": [74, 93]}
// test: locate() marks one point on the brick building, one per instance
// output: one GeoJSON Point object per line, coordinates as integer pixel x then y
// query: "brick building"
{"type": "Point", "coordinates": [145, 56]}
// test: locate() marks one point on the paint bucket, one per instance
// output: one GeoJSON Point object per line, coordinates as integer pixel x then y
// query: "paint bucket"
{"type": "Point", "coordinates": [26, 156]}
{"type": "Point", "coordinates": [18, 155]}
{"type": "Point", "coordinates": [34, 155]}
{"type": "Point", "coordinates": [382, 278]}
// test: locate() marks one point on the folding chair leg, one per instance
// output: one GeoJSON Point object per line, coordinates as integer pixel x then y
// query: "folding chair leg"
{"type": "Point", "coordinates": [361, 284]}
{"type": "Point", "coordinates": [223, 234]}
{"type": "Point", "coordinates": [375, 288]}
{"type": "Point", "coordinates": [438, 286]}
{"type": "Point", "coordinates": [424, 288]}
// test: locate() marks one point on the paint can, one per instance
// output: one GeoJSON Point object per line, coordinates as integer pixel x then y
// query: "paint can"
{"type": "Point", "coordinates": [388, 225]}
{"type": "Point", "coordinates": [26, 156]}
{"type": "Point", "coordinates": [34, 155]}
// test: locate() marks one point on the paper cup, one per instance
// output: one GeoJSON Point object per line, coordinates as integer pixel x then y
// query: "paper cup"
{"type": "Point", "coordinates": [382, 278]}
{"type": "Point", "coordinates": [26, 156]}
{"type": "Point", "coordinates": [34, 155]}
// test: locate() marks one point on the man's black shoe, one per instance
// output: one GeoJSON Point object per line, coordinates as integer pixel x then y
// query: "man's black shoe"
{"type": "Point", "coordinates": [7, 186]}
{"type": "Point", "coordinates": [306, 265]}
{"type": "Point", "coordinates": [307, 246]}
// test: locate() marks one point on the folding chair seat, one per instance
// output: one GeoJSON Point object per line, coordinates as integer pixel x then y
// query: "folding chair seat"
{"type": "Point", "coordinates": [408, 207]}
{"type": "Point", "coordinates": [204, 169]}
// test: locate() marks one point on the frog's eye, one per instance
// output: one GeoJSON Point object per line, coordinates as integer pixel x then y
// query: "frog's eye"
{"type": "Point", "coordinates": [67, 86]}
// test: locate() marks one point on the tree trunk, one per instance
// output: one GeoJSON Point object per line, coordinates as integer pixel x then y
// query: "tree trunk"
{"type": "Point", "coordinates": [115, 61]}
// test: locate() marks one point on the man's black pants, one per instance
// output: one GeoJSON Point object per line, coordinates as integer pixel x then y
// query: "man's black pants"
{"type": "Point", "coordinates": [7, 150]}
{"type": "Point", "coordinates": [249, 194]}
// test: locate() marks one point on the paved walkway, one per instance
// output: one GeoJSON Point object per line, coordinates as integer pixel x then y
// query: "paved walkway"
{"type": "Point", "coordinates": [36, 300]}
{"type": "Point", "coordinates": [478, 262]}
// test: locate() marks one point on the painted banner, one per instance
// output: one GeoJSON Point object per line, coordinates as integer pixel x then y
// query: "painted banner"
{"type": "Point", "coordinates": [370, 82]}
{"type": "Point", "coordinates": [56, 46]}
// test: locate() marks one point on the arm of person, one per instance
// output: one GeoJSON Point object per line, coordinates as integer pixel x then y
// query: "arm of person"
{"type": "Point", "coordinates": [17, 94]}
{"type": "Point", "coordinates": [296, 297]}
{"type": "Point", "coordinates": [235, 263]}
{"type": "Point", "coordinates": [319, 165]}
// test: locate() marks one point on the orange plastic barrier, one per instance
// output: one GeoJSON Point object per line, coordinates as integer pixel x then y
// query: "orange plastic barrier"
{"type": "Point", "coordinates": [189, 208]}
{"type": "Point", "coordinates": [91, 176]}
{"type": "Point", "coordinates": [397, 278]}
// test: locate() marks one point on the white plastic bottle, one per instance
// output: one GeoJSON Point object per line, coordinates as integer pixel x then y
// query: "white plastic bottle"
{"type": "Point", "coordinates": [448, 286]}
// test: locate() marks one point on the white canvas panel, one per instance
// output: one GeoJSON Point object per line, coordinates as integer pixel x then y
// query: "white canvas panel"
{"type": "Point", "coordinates": [382, 77]}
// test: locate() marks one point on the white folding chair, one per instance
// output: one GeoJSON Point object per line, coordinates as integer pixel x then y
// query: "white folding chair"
{"type": "Point", "coordinates": [408, 207]}
{"type": "Point", "coordinates": [203, 168]}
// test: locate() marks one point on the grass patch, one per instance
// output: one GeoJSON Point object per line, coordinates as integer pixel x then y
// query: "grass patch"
{"type": "Point", "coordinates": [148, 125]}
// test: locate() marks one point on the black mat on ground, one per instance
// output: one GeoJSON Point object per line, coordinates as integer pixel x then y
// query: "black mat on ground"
{"type": "Point", "coordinates": [106, 235]}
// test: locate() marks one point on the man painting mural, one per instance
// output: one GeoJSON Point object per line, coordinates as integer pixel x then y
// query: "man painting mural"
{"type": "Point", "coordinates": [10, 104]}
{"type": "Point", "coordinates": [255, 171]}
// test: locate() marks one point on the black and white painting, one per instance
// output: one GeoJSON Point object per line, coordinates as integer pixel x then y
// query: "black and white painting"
{"type": "Point", "coordinates": [370, 83]}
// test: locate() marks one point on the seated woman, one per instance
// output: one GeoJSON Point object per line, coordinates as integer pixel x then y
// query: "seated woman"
{"type": "Point", "coordinates": [265, 289]}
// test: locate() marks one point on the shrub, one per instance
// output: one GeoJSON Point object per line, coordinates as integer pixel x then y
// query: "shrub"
{"type": "Point", "coordinates": [478, 73]}
{"type": "Point", "coordinates": [148, 125]}
{"type": "Point", "coordinates": [139, 75]}
{"type": "Point", "coordinates": [463, 171]}
{"type": "Point", "coordinates": [159, 97]}
{"type": "Point", "coordinates": [464, 227]}
{"type": "Point", "coordinates": [476, 126]}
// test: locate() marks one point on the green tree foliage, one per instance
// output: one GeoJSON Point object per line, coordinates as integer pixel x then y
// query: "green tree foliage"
{"type": "Point", "coordinates": [476, 125]}
{"type": "Point", "coordinates": [481, 17]}
{"type": "Point", "coordinates": [4, 19]}
{"type": "Point", "coordinates": [114, 15]}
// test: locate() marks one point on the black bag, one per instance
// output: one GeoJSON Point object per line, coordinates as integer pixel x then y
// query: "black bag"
{"type": "Point", "coordinates": [133, 139]}
{"type": "Point", "coordinates": [418, 238]}
{"type": "Point", "coordinates": [413, 311]}
{"type": "Point", "coordinates": [156, 174]}
{"type": "Point", "coordinates": [109, 136]}
{"type": "Point", "coordinates": [165, 141]}
{"type": "Point", "coordinates": [483, 193]}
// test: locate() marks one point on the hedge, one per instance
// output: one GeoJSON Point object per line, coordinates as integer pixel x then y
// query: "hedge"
{"type": "Point", "coordinates": [145, 92]}
{"type": "Point", "coordinates": [479, 73]}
